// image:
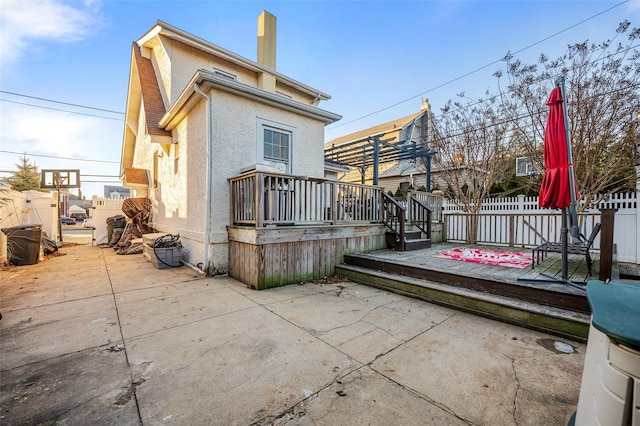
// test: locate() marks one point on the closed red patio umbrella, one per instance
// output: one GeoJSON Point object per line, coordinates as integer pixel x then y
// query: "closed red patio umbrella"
{"type": "Point", "coordinates": [555, 190]}
{"type": "Point", "coordinates": [558, 188]}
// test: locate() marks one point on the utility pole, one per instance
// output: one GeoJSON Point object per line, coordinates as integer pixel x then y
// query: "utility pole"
{"type": "Point", "coordinates": [57, 179]}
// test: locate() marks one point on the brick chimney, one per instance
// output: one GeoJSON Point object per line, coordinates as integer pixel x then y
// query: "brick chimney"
{"type": "Point", "coordinates": [267, 50]}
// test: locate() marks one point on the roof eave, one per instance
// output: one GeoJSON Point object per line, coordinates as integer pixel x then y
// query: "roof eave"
{"type": "Point", "coordinates": [133, 95]}
{"type": "Point", "coordinates": [206, 79]}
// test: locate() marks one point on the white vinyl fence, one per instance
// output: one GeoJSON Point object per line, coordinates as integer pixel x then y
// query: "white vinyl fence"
{"type": "Point", "coordinates": [103, 208]}
{"type": "Point", "coordinates": [29, 208]}
{"type": "Point", "coordinates": [519, 222]}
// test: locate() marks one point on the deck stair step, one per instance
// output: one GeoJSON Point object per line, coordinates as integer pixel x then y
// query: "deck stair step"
{"type": "Point", "coordinates": [412, 241]}
{"type": "Point", "coordinates": [412, 235]}
{"type": "Point", "coordinates": [537, 315]}
{"type": "Point", "coordinates": [417, 244]}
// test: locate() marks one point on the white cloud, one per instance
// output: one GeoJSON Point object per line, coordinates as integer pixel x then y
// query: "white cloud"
{"type": "Point", "coordinates": [25, 22]}
{"type": "Point", "coordinates": [52, 138]}
{"type": "Point", "coordinates": [47, 132]}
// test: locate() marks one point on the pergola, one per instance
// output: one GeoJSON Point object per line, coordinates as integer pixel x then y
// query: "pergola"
{"type": "Point", "coordinates": [371, 151]}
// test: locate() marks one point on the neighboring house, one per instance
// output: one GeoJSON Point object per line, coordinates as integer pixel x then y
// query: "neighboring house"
{"type": "Point", "coordinates": [70, 203]}
{"type": "Point", "coordinates": [392, 171]}
{"type": "Point", "coordinates": [111, 191]}
{"type": "Point", "coordinates": [198, 115]}
{"type": "Point", "coordinates": [74, 208]}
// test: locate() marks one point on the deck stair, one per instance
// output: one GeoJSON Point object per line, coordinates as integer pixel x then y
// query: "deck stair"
{"type": "Point", "coordinates": [550, 309]}
{"type": "Point", "coordinates": [406, 224]}
{"type": "Point", "coordinates": [412, 240]}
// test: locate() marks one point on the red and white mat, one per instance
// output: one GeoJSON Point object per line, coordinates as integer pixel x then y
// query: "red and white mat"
{"type": "Point", "coordinates": [488, 257]}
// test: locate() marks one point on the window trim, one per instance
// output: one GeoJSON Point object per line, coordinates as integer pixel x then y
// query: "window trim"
{"type": "Point", "coordinates": [261, 124]}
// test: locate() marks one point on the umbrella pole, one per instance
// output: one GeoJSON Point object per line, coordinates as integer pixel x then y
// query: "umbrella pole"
{"type": "Point", "coordinates": [575, 229]}
{"type": "Point", "coordinates": [564, 279]}
{"type": "Point", "coordinates": [564, 236]}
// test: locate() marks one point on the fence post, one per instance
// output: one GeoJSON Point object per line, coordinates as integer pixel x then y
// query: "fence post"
{"type": "Point", "coordinates": [259, 200]}
{"type": "Point", "coordinates": [512, 227]}
{"type": "Point", "coordinates": [607, 219]}
{"type": "Point", "coordinates": [637, 212]}
{"type": "Point", "coordinates": [445, 228]}
{"type": "Point", "coordinates": [521, 203]}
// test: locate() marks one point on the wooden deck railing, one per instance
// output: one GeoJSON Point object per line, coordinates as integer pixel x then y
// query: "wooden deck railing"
{"type": "Point", "coordinates": [262, 199]}
{"type": "Point", "coordinates": [431, 201]}
{"type": "Point", "coordinates": [510, 229]}
{"type": "Point", "coordinates": [420, 215]}
{"type": "Point", "coordinates": [393, 217]}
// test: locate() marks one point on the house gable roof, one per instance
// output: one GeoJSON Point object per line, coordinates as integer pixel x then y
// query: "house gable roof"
{"type": "Point", "coordinates": [393, 143]}
{"type": "Point", "coordinates": [380, 129]}
{"type": "Point", "coordinates": [143, 91]}
{"type": "Point", "coordinates": [151, 97]}
{"type": "Point", "coordinates": [150, 39]}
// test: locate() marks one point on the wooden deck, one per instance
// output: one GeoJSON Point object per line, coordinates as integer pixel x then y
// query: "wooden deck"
{"type": "Point", "coordinates": [517, 295]}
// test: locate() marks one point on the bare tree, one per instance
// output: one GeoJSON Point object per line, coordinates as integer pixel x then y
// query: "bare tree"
{"type": "Point", "coordinates": [472, 140]}
{"type": "Point", "coordinates": [603, 102]}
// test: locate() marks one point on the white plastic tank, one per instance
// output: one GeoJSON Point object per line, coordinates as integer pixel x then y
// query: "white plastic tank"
{"type": "Point", "coordinates": [610, 389]}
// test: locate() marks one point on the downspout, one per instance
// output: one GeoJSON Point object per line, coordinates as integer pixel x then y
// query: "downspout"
{"type": "Point", "coordinates": [209, 150]}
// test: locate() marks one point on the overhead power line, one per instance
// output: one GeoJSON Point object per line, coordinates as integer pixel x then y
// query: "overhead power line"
{"type": "Point", "coordinates": [59, 158]}
{"type": "Point", "coordinates": [479, 68]}
{"type": "Point", "coordinates": [62, 110]}
{"type": "Point", "coordinates": [60, 102]}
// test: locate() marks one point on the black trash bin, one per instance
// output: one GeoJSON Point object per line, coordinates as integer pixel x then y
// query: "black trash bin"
{"type": "Point", "coordinates": [23, 244]}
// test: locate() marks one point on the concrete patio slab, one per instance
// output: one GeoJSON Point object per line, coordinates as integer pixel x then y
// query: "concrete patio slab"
{"type": "Point", "coordinates": [37, 334]}
{"type": "Point", "coordinates": [246, 365]}
{"type": "Point", "coordinates": [169, 306]}
{"type": "Point", "coordinates": [366, 397]}
{"type": "Point", "coordinates": [79, 388]}
{"type": "Point", "coordinates": [211, 351]}
{"type": "Point", "coordinates": [481, 382]}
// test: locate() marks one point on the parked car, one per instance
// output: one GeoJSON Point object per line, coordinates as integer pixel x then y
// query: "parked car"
{"type": "Point", "coordinates": [67, 220]}
{"type": "Point", "coordinates": [79, 217]}
{"type": "Point", "coordinates": [88, 223]}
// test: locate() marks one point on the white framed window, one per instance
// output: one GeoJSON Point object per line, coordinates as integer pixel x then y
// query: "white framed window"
{"type": "Point", "coordinates": [275, 143]}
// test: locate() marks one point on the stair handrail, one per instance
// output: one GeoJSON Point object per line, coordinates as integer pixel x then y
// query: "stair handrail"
{"type": "Point", "coordinates": [393, 217]}
{"type": "Point", "coordinates": [420, 215]}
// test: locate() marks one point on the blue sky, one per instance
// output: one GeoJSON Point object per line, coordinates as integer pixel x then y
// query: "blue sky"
{"type": "Point", "coordinates": [368, 55]}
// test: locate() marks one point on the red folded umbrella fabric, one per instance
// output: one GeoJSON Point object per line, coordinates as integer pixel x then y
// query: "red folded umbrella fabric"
{"type": "Point", "coordinates": [555, 192]}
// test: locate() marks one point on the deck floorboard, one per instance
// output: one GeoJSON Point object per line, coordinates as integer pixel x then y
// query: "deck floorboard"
{"type": "Point", "coordinates": [540, 284]}
{"type": "Point", "coordinates": [551, 265]}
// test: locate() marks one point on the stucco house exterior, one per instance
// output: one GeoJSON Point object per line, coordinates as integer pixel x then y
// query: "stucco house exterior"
{"type": "Point", "coordinates": [198, 115]}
